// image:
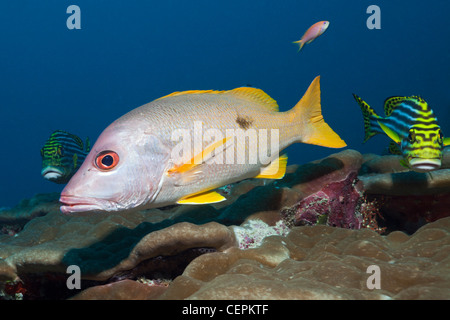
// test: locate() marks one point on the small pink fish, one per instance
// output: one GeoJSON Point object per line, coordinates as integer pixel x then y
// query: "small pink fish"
{"type": "Point", "coordinates": [312, 33]}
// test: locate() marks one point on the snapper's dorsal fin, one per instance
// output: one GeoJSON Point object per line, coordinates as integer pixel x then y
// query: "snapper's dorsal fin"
{"type": "Point", "coordinates": [256, 96]}
{"type": "Point", "coordinates": [181, 93]}
{"type": "Point", "coordinates": [250, 94]}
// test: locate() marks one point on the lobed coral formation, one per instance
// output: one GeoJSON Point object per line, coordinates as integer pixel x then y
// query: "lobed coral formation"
{"type": "Point", "coordinates": [406, 199]}
{"type": "Point", "coordinates": [322, 262]}
{"type": "Point", "coordinates": [198, 251]}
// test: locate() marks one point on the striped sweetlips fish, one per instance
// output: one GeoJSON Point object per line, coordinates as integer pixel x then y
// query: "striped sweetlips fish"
{"type": "Point", "coordinates": [62, 155]}
{"type": "Point", "coordinates": [413, 126]}
{"type": "Point", "coordinates": [136, 164]}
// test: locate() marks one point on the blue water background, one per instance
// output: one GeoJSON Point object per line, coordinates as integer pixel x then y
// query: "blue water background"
{"type": "Point", "coordinates": [131, 52]}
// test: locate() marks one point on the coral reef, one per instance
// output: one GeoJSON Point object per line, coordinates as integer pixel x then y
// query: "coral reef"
{"type": "Point", "coordinates": [310, 235]}
{"type": "Point", "coordinates": [322, 262]}
{"type": "Point", "coordinates": [406, 199]}
{"type": "Point", "coordinates": [28, 209]}
{"type": "Point", "coordinates": [252, 232]}
{"type": "Point", "coordinates": [336, 205]}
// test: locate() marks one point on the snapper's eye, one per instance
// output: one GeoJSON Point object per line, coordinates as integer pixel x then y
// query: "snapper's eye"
{"type": "Point", "coordinates": [106, 160]}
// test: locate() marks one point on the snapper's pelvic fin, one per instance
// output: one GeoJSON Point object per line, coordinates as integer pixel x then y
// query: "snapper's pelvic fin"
{"type": "Point", "coordinates": [202, 198]}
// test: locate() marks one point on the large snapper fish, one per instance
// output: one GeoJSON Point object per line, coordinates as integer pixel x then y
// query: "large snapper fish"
{"type": "Point", "coordinates": [163, 152]}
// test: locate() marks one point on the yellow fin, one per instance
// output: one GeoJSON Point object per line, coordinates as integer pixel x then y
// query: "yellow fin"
{"type": "Point", "coordinates": [275, 170]}
{"type": "Point", "coordinates": [202, 198]}
{"type": "Point", "coordinates": [198, 159]}
{"type": "Point", "coordinates": [255, 95]}
{"type": "Point", "coordinates": [307, 113]}
{"type": "Point", "coordinates": [250, 94]}
{"type": "Point", "coordinates": [180, 93]}
{"type": "Point", "coordinates": [391, 134]}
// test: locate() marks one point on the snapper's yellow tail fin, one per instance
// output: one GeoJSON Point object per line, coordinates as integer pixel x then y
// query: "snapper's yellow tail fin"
{"type": "Point", "coordinates": [313, 129]}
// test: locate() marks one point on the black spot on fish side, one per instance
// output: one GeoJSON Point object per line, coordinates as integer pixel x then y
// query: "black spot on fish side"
{"type": "Point", "coordinates": [244, 122]}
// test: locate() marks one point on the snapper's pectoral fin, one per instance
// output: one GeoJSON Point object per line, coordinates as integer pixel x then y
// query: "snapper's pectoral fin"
{"type": "Point", "coordinates": [200, 158]}
{"type": "Point", "coordinates": [390, 133]}
{"type": "Point", "coordinates": [202, 198]}
{"type": "Point", "coordinates": [190, 177]}
{"type": "Point", "coordinates": [275, 170]}
{"type": "Point", "coordinates": [192, 171]}
{"type": "Point", "coordinates": [447, 141]}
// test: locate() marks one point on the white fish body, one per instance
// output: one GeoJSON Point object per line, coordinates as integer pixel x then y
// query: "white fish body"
{"type": "Point", "coordinates": [135, 162]}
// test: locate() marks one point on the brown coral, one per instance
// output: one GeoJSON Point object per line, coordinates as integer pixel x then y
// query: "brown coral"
{"type": "Point", "coordinates": [322, 262]}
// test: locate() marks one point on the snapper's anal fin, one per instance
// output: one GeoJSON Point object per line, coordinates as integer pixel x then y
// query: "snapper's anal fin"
{"type": "Point", "coordinates": [312, 128]}
{"type": "Point", "coordinates": [275, 170]}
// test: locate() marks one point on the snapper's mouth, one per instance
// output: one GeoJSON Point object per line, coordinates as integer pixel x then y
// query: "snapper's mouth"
{"type": "Point", "coordinates": [424, 165]}
{"type": "Point", "coordinates": [74, 204]}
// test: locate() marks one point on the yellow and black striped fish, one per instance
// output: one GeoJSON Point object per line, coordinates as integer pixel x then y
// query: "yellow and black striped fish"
{"type": "Point", "coordinates": [412, 125]}
{"type": "Point", "coordinates": [62, 155]}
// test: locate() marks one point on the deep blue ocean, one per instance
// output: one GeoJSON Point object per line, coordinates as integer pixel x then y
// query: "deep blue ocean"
{"type": "Point", "coordinates": [128, 53]}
